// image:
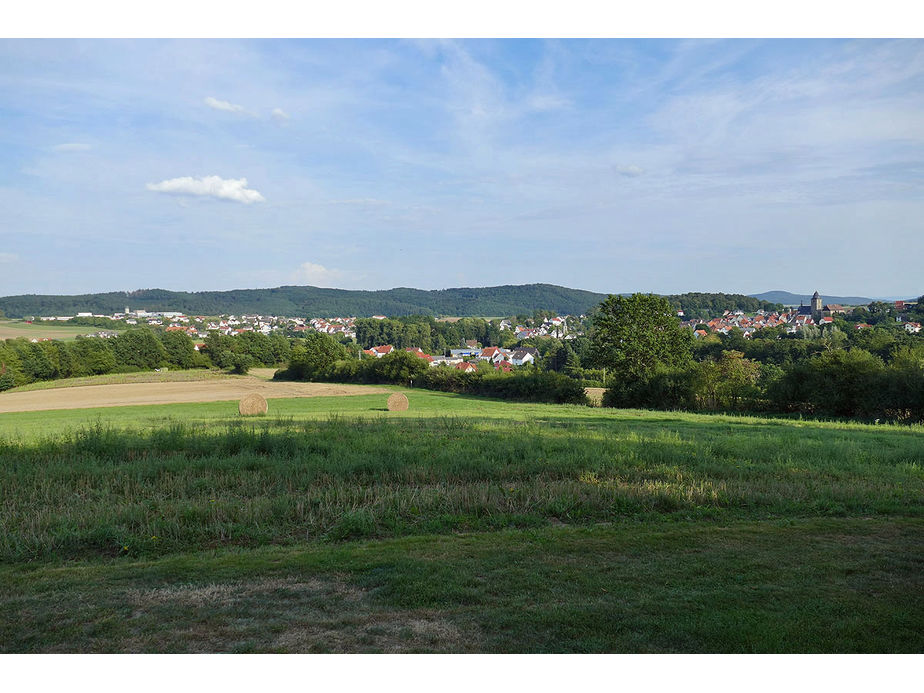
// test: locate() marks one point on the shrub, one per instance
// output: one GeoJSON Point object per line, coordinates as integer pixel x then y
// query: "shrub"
{"type": "Point", "coordinates": [7, 381]}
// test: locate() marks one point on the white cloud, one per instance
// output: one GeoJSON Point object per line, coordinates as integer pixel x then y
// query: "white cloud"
{"type": "Point", "coordinates": [8, 258]}
{"type": "Point", "coordinates": [71, 147]}
{"type": "Point", "coordinates": [280, 114]}
{"type": "Point", "coordinates": [317, 275]}
{"type": "Point", "coordinates": [630, 171]}
{"type": "Point", "coordinates": [234, 189]}
{"type": "Point", "coordinates": [220, 105]}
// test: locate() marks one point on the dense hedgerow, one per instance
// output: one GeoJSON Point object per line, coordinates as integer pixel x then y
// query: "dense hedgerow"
{"type": "Point", "coordinates": [842, 383]}
{"type": "Point", "coordinates": [403, 368]}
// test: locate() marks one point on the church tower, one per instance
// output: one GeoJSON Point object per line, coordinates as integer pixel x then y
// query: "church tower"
{"type": "Point", "coordinates": [816, 306]}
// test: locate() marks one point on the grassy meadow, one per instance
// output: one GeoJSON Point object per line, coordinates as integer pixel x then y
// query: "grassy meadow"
{"type": "Point", "coordinates": [460, 525]}
{"type": "Point", "coordinates": [162, 376]}
{"type": "Point", "coordinates": [12, 329]}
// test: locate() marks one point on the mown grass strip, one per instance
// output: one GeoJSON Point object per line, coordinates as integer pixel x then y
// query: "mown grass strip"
{"type": "Point", "coordinates": [807, 585]}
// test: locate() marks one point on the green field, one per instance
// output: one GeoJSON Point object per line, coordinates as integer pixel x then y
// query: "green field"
{"type": "Point", "coordinates": [461, 525]}
{"type": "Point", "coordinates": [11, 329]}
{"type": "Point", "coordinates": [162, 376]}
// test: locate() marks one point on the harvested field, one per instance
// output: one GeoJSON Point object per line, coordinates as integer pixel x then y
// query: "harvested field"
{"type": "Point", "coordinates": [170, 393]}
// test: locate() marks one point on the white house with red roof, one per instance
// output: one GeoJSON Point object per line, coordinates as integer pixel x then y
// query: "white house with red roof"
{"type": "Point", "coordinates": [494, 354]}
{"type": "Point", "coordinates": [379, 351]}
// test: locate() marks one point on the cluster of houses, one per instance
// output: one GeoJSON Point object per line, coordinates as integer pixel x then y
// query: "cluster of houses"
{"type": "Point", "coordinates": [748, 324]}
{"type": "Point", "coordinates": [199, 326]}
{"type": "Point", "coordinates": [550, 327]}
{"type": "Point", "coordinates": [337, 327]}
{"type": "Point", "coordinates": [466, 359]}
{"type": "Point", "coordinates": [814, 314]}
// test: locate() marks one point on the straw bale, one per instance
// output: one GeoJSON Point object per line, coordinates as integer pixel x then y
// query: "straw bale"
{"type": "Point", "coordinates": [397, 402]}
{"type": "Point", "coordinates": [251, 404]}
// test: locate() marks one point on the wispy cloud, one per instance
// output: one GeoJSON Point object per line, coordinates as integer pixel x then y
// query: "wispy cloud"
{"type": "Point", "coordinates": [8, 258]}
{"type": "Point", "coordinates": [361, 201]}
{"type": "Point", "coordinates": [234, 189]}
{"type": "Point", "coordinates": [220, 105]}
{"type": "Point", "coordinates": [280, 114]}
{"type": "Point", "coordinates": [71, 147]}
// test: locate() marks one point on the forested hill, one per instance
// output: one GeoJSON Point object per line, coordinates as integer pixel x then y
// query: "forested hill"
{"type": "Point", "coordinates": [316, 302]}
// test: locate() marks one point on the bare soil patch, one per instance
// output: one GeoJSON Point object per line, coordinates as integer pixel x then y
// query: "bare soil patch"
{"type": "Point", "coordinates": [170, 393]}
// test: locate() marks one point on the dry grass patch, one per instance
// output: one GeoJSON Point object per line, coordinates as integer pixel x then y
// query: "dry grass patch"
{"type": "Point", "coordinates": [289, 615]}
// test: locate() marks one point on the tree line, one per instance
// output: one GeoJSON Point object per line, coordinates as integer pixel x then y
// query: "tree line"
{"type": "Point", "coordinates": [652, 362]}
{"type": "Point", "coordinates": [23, 361]}
{"type": "Point", "coordinates": [320, 358]}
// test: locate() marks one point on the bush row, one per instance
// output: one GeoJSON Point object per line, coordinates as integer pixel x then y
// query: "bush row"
{"type": "Point", "coordinates": [404, 368]}
{"type": "Point", "coordinates": [842, 383]}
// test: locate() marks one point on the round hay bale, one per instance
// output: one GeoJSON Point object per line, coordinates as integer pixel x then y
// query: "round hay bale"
{"type": "Point", "coordinates": [397, 402]}
{"type": "Point", "coordinates": [251, 404]}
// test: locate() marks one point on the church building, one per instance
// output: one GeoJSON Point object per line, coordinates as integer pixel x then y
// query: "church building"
{"type": "Point", "coordinates": [813, 309]}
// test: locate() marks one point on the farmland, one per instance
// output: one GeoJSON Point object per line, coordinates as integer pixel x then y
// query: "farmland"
{"type": "Point", "coordinates": [460, 525]}
{"type": "Point", "coordinates": [129, 394]}
{"type": "Point", "coordinates": [11, 329]}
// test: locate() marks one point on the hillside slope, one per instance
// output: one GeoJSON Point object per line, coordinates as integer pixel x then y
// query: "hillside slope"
{"type": "Point", "coordinates": [313, 301]}
{"type": "Point", "coordinates": [791, 299]}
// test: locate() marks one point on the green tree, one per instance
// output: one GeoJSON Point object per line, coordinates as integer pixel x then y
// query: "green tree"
{"type": "Point", "coordinates": [95, 354]}
{"type": "Point", "coordinates": [235, 362]}
{"type": "Point", "coordinates": [313, 355]}
{"type": "Point", "coordinates": [402, 367]}
{"type": "Point", "coordinates": [572, 365]}
{"type": "Point", "coordinates": [181, 352]}
{"type": "Point", "coordinates": [140, 348]}
{"type": "Point", "coordinates": [631, 335]}
{"type": "Point", "coordinates": [728, 381]}
{"type": "Point", "coordinates": [7, 380]}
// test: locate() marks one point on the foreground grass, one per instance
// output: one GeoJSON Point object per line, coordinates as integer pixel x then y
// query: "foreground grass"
{"type": "Point", "coordinates": [821, 585]}
{"type": "Point", "coordinates": [103, 491]}
{"type": "Point", "coordinates": [462, 525]}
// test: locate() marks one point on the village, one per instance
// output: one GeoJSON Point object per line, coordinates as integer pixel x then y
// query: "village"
{"type": "Point", "coordinates": [465, 358]}
{"type": "Point", "coordinates": [816, 314]}
{"type": "Point", "coordinates": [469, 354]}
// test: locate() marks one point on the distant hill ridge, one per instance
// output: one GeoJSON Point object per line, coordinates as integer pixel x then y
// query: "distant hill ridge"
{"type": "Point", "coordinates": [791, 299]}
{"type": "Point", "coordinates": [317, 302]}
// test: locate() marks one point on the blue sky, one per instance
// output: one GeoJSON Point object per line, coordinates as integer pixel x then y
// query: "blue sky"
{"type": "Point", "coordinates": [608, 165]}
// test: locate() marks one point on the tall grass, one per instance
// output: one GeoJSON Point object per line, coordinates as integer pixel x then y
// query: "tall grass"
{"type": "Point", "coordinates": [107, 491]}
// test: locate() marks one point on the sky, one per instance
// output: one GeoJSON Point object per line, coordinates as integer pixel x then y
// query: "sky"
{"type": "Point", "coordinates": [610, 165]}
